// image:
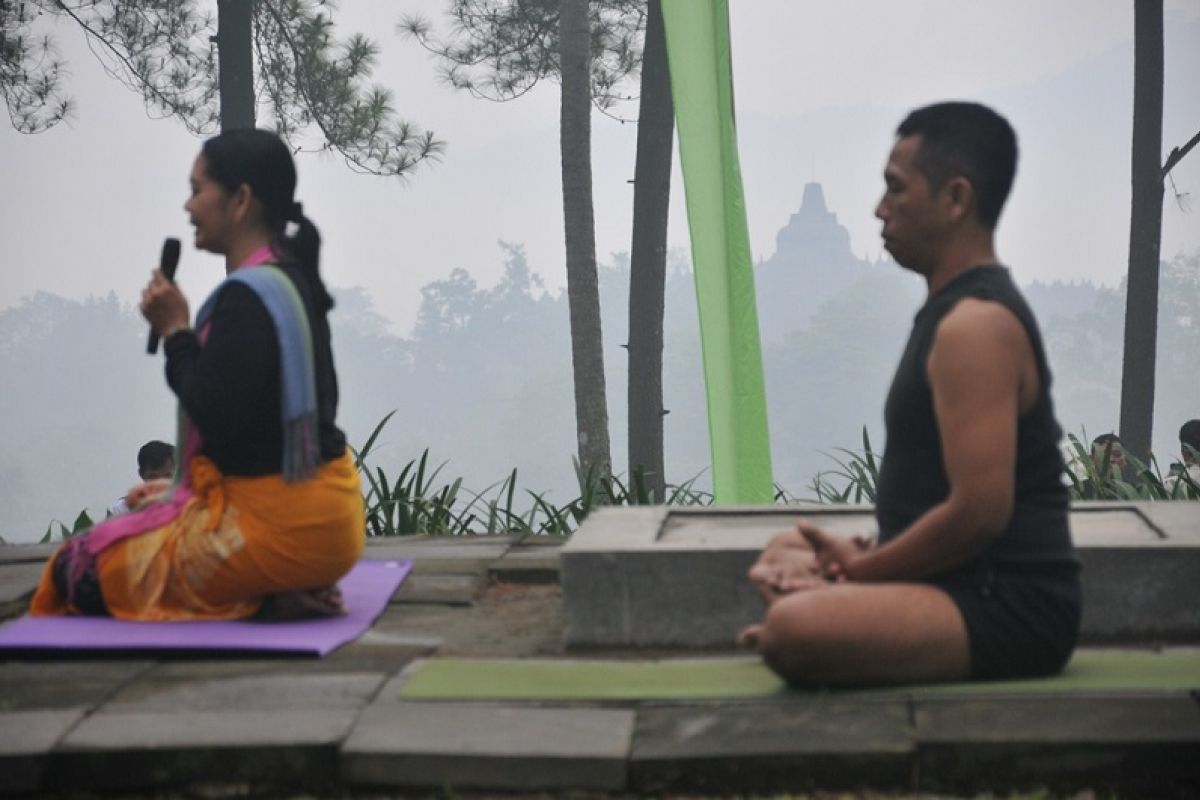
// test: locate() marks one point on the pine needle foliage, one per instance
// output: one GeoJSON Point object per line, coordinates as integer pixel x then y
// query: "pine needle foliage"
{"type": "Point", "coordinates": [499, 50]}
{"type": "Point", "coordinates": [315, 89]}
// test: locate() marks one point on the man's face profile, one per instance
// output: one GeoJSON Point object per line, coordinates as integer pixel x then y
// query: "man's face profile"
{"type": "Point", "coordinates": [908, 208]}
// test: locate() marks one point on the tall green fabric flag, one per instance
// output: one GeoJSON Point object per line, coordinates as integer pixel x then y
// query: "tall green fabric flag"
{"type": "Point", "coordinates": [702, 87]}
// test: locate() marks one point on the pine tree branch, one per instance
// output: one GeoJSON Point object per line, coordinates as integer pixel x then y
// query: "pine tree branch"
{"type": "Point", "coordinates": [1177, 155]}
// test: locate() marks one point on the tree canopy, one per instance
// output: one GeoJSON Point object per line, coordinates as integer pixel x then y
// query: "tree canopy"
{"type": "Point", "coordinates": [316, 88]}
{"type": "Point", "coordinates": [499, 49]}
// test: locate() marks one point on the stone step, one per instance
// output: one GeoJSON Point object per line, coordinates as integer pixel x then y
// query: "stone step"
{"type": "Point", "coordinates": [159, 732]}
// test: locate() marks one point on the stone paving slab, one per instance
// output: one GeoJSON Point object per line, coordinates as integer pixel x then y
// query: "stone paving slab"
{"type": "Point", "coordinates": [537, 564]}
{"type": "Point", "coordinates": [26, 740]}
{"type": "Point", "coordinates": [415, 641]}
{"type": "Point", "coordinates": [164, 693]}
{"type": "Point", "coordinates": [1146, 741]}
{"type": "Point", "coordinates": [129, 751]}
{"type": "Point", "coordinates": [379, 651]}
{"type": "Point", "coordinates": [26, 553]}
{"type": "Point", "coordinates": [440, 541]}
{"type": "Point", "coordinates": [468, 745]}
{"type": "Point", "coordinates": [63, 685]}
{"type": "Point", "coordinates": [17, 581]}
{"type": "Point", "coordinates": [447, 557]}
{"type": "Point", "coordinates": [794, 744]}
{"type": "Point", "coordinates": [452, 589]}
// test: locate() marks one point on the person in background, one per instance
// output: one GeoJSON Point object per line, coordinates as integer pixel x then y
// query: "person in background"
{"type": "Point", "coordinates": [1107, 446]}
{"type": "Point", "coordinates": [1185, 475]}
{"type": "Point", "coordinates": [156, 464]}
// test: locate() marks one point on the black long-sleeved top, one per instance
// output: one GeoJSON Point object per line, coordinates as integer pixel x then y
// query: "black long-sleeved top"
{"type": "Point", "coordinates": [230, 385]}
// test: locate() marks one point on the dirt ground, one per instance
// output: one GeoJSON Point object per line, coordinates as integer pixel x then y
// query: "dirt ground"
{"type": "Point", "coordinates": [507, 620]}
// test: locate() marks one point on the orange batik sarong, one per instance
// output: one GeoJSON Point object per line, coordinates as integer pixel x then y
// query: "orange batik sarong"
{"type": "Point", "coordinates": [233, 541]}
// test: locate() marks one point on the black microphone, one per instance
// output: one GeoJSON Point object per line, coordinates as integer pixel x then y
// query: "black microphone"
{"type": "Point", "coordinates": [166, 264]}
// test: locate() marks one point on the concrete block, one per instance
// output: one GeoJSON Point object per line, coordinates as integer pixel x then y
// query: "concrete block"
{"type": "Point", "coordinates": [659, 577]}
{"type": "Point", "coordinates": [1180, 519]}
{"type": "Point", "coordinates": [800, 743]}
{"type": "Point", "coordinates": [456, 746]}
{"type": "Point", "coordinates": [1143, 595]}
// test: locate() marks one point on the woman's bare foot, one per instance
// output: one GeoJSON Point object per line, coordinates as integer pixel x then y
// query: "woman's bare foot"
{"type": "Point", "coordinates": [303, 604]}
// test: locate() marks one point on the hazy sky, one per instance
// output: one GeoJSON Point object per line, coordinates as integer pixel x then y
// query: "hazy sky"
{"type": "Point", "coordinates": [819, 90]}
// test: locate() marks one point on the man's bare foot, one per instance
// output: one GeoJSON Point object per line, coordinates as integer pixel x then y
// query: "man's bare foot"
{"type": "Point", "coordinates": [303, 604]}
{"type": "Point", "coordinates": [749, 636]}
{"type": "Point", "coordinates": [786, 565]}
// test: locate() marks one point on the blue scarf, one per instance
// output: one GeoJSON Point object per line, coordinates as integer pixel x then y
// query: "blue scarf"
{"type": "Point", "coordinates": [298, 375]}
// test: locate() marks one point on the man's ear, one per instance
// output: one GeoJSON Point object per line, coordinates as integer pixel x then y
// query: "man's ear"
{"type": "Point", "coordinates": [960, 197]}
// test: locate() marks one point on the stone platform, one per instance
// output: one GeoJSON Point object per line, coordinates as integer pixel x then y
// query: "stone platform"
{"type": "Point", "coordinates": [676, 577]}
{"type": "Point", "coordinates": [328, 727]}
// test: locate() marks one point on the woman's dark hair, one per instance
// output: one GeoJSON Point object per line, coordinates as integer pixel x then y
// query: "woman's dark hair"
{"type": "Point", "coordinates": [259, 159]}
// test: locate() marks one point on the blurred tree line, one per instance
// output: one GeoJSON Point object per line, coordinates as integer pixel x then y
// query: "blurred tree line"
{"type": "Point", "coordinates": [484, 380]}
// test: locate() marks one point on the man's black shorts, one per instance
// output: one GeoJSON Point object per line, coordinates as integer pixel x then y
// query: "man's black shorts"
{"type": "Point", "coordinates": [1022, 621]}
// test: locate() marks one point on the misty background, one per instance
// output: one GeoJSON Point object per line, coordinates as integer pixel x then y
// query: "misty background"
{"type": "Point", "coordinates": [449, 285]}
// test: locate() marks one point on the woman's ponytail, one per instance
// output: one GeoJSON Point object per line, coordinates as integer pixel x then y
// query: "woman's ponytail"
{"type": "Point", "coordinates": [304, 246]}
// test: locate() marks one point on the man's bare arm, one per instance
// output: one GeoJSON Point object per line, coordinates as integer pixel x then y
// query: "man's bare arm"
{"type": "Point", "coordinates": [983, 375]}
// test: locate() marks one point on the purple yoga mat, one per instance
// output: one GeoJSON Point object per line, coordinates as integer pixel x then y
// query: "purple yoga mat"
{"type": "Point", "coordinates": [366, 589]}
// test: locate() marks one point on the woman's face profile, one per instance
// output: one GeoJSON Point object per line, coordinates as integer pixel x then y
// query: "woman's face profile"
{"type": "Point", "coordinates": [208, 209]}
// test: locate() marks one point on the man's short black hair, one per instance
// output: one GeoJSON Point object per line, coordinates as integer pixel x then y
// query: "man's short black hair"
{"type": "Point", "coordinates": [1106, 438]}
{"type": "Point", "coordinates": [1190, 433]}
{"type": "Point", "coordinates": [968, 140]}
{"type": "Point", "coordinates": [154, 456]}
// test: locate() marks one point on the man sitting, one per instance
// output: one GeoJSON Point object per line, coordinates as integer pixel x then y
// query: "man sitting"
{"type": "Point", "coordinates": [973, 574]}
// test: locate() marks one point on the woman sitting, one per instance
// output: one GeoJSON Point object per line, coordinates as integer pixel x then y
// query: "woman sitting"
{"type": "Point", "coordinates": [265, 513]}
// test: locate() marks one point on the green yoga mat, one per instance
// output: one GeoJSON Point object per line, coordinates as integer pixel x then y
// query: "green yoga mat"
{"type": "Point", "coordinates": [1090, 671]}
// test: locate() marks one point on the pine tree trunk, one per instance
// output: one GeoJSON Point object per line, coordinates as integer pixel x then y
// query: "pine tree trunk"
{"type": "Point", "coordinates": [583, 291]}
{"type": "Point", "coordinates": [235, 67]}
{"type": "Point", "coordinates": [648, 260]}
{"type": "Point", "coordinates": [1145, 231]}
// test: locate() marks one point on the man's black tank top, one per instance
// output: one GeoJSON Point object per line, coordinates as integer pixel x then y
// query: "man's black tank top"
{"type": "Point", "coordinates": [912, 478]}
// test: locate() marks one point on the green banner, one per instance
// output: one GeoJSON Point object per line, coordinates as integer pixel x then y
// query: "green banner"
{"type": "Point", "coordinates": [702, 87]}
